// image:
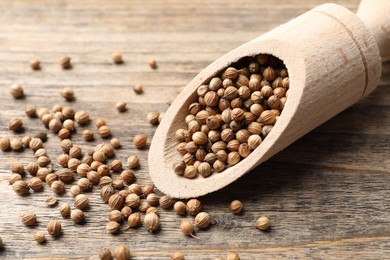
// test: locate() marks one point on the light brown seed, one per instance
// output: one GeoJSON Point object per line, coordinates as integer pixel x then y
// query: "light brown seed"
{"type": "Point", "coordinates": [77, 216]}
{"type": "Point", "coordinates": [263, 223]}
{"type": "Point", "coordinates": [134, 220]}
{"type": "Point", "coordinates": [105, 254]}
{"type": "Point", "coordinates": [153, 64]}
{"type": "Point", "coordinates": [64, 210]}
{"type": "Point", "coordinates": [54, 228]}
{"type": "Point", "coordinates": [20, 187]}
{"type": "Point", "coordinates": [151, 222]}
{"type": "Point", "coordinates": [16, 91]}
{"type": "Point", "coordinates": [39, 236]}
{"type": "Point", "coordinates": [29, 218]}
{"type": "Point", "coordinates": [51, 201]}
{"type": "Point", "coordinates": [121, 106]}
{"type": "Point", "coordinates": [194, 206]}
{"type": "Point", "coordinates": [117, 58]}
{"type": "Point", "coordinates": [112, 227]}
{"type": "Point", "coordinates": [138, 89]}
{"type": "Point", "coordinates": [140, 141]}
{"type": "Point", "coordinates": [15, 124]}
{"type": "Point", "coordinates": [65, 62]}
{"type": "Point", "coordinates": [122, 252]}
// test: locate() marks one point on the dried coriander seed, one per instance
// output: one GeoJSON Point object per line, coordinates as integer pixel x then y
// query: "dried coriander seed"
{"type": "Point", "coordinates": [65, 62]}
{"type": "Point", "coordinates": [179, 167]}
{"type": "Point", "coordinates": [30, 111]}
{"type": "Point", "coordinates": [194, 206]}
{"type": "Point", "coordinates": [166, 202]}
{"type": "Point", "coordinates": [236, 207]}
{"type": "Point", "coordinates": [153, 199]}
{"type": "Point", "coordinates": [77, 216]}
{"type": "Point", "coordinates": [16, 91]}
{"type": "Point", "coordinates": [180, 208]}
{"type": "Point", "coordinates": [54, 228]}
{"type": "Point", "coordinates": [14, 177]}
{"type": "Point", "coordinates": [152, 118]}
{"type": "Point", "coordinates": [151, 222]}
{"type": "Point", "coordinates": [121, 106]}
{"type": "Point", "coordinates": [51, 201]}
{"type": "Point", "coordinates": [20, 187]}
{"type": "Point", "coordinates": [16, 144]}
{"type": "Point", "coordinates": [115, 215]}
{"type": "Point", "coordinates": [138, 89]}
{"type": "Point", "coordinates": [29, 218]}
{"type": "Point", "coordinates": [177, 256]}
{"type": "Point", "coordinates": [133, 162]}
{"type": "Point", "coordinates": [202, 220]}
{"type": "Point", "coordinates": [15, 124]}
{"type": "Point", "coordinates": [116, 201]}
{"type": "Point", "coordinates": [40, 237]}
{"type": "Point", "coordinates": [65, 210]}
{"type": "Point", "coordinates": [140, 141]}
{"type": "Point", "coordinates": [232, 256]}
{"type": "Point", "coordinates": [134, 220]}
{"type": "Point", "coordinates": [67, 94]}
{"type": "Point", "coordinates": [187, 227]}
{"type": "Point", "coordinates": [153, 64]}
{"type": "Point", "coordinates": [105, 254]}
{"type": "Point", "coordinates": [122, 252]}
{"type": "Point", "coordinates": [263, 223]}
{"type": "Point", "coordinates": [5, 143]}
{"type": "Point", "coordinates": [35, 184]}
{"type": "Point", "coordinates": [81, 201]}
{"type": "Point", "coordinates": [104, 131]}
{"type": "Point", "coordinates": [112, 227]}
{"type": "Point", "coordinates": [117, 58]}
{"type": "Point", "coordinates": [115, 143]}
{"type": "Point", "coordinates": [88, 135]}
{"type": "Point", "coordinates": [57, 187]}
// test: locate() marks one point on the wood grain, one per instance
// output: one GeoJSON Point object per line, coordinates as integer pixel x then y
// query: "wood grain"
{"type": "Point", "coordinates": [327, 195]}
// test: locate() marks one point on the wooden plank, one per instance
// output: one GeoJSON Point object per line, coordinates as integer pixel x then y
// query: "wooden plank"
{"type": "Point", "coordinates": [327, 195]}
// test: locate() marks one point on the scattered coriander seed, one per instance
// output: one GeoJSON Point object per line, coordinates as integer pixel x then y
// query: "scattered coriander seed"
{"type": "Point", "coordinates": [81, 201]}
{"type": "Point", "coordinates": [106, 193]}
{"type": "Point", "coordinates": [153, 199]}
{"type": "Point", "coordinates": [105, 254]}
{"type": "Point", "coordinates": [121, 106]}
{"type": "Point", "coordinates": [35, 184]}
{"type": "Point", "coordinates": [153, 64]}
{"type": "Point", "coordinates": [166, 202]}
{"type": "Point", "coordinates": [179, 167]}
{"type": "Point", "coordinates": [5, 143]}
{"type": "Point", "coordinates": [202, 220]}
{"type": "Point", "coordinates": [152, 118]}
{"type": "Point", "coordinates": [81, 117]}
{"type": "Point", "coordinates": [140, 141]}
{"type": "Point", "coordinates": [104, 131]}
{"type": "Point", "coordinates": [117, 58]}
{"type": "Point", "coordinates": [20, 187]}
{"type": "Point", "coordinates": [263, 223]}
{"type": "Point", "coordinates": [151, 222]}
{"type": "Point", "coordinates": [112, 227]}
{"type": "Point", "coordinates": [128, 176]}
{"type": "Point", "coordinates": [57, 187]}
{"type": "Point", "coordinates": [39, 236]}
{"type": "Point", "coordinates": [16, 144]}
{"type": "Point", "coordinates": [26, 141]}
{"type": "Point", "coordinates": [75, 190]}
{"type": "Point", "coordinates": [115, 143]}
{"type": "Point", "coordinates": [65, 210]}
{"type": "Point", "coordinates": [75, 152]}
{"type": "Point", "coordinates": [236, 207]}
{"type": "Point", "coordinates": [122, 252]}
{"type": "Point", "coordinates": [16, 91]}
{"type": "Point", "coordinates": [17, 168]}
{"type": "Point", "coordinates": [126, 212]}
{"type": "Point", "coordinates": [65, 144]}
{"type": "Point", "coordinates": [67, 94]}
{"type": "Point", "coordinates": [134, 220]}
{"type": "Point", "coordinates": [65, 62]}
{"type": "Point", "coordinates": [84, 184]}
{"type": "Point", "coordinates": [143, 206]}
{"type": "Point", "coordinates": [138, 89]}
{"type": "Point", "coordinates": [51, 201]}
{"type": "Point", "coordinates": [116, 202]}
{"type": "Point", "coordinates": [232, 256]}
{"type": "Point", "coordinates": [63, 159]}
{"type": "Point", "coordinates": [132, 200]}
{"type": "Point", "coordinates": [177, 256]}
{"type": "Point", "coordinates": [194, 206]}
{"type": "Point", "coordinates": [147, 189]}
{"type": "Point", "coordinates": [133, 162]}
{"type": "Point", "coordinates": [180, 208]}
{"type": "Point", "coordinates": [29, 218]}
{"type": "Point", "coordinates": [50, 178]}
{"type": "Point", "coordinates": [35, 144]}
{"type": "Point", "coordinates": [15, 124]}
{"type": "Point", "coordinates": [30, 111]}
{"type": "Point", "coordinates": [14, 177]}
{"type": "Point", "coordinates": [187, 227]}
{"type": "Point", "coordinates": [43, 161]}
{"type": "Point", "coordinates": [77, 216]}
{"type": "Point", "coordinates": [152, 210]}
{"type": "Point", "coordinates": [115, 215]}
{"type": "Point", "coordinates": [54, 228]}
{"type": "Point", "coordinates": [88, 135]}
{"type": "Point", "coordinates": [42, 173]}
{"type": "Point", "coordinates": [65, 174]}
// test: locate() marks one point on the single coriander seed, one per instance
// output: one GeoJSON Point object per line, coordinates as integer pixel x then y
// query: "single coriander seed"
{"type": "Point", "coordinates": [105, 254]}
{"type": "Point", "coordinates": [54, 228]}
{"type": "Point", "coordinates": [177, 256]}
{"type": "Point", "coordinates": [236, 207]}
{"type": "Point", "coordinates": [65, 62]}
{"type": "Point", "coordinates": [121, 106]}
{"type": "Point", "coordinates": [77, 216]}
{"type": "Point", "coordinates": [153, 64]}
{"type": "Point", "coordinates": [194, 206]}
{"type": "Point", "coordinates": [152, 222]}
{"type": "Point", "coordinates": [152, 118]}
{"type": "Point", "coordinates": [202, 220]}
{"type": "Point", "coordinates": [180, 208]}
{"type": "Point", "coordinates": [122, 252]}
{"type": "Point", "coordinates": [117, 57]}
{"type": "Point", "coordinates": [39, 236]}
{"type": "Point", "coordinates": [16, 91]}
{"type": "Point", "coordinates": [138, 89]}
{"type": "Point", "coordinates": [67, 94]}
{"type": "Point", "coordinates": [134, 220]}
{"type": "Point", "coordinates": [15, 124]}
{"type": "Point", "coordinates": [65, 210]}
{"type": "Point", "coordinates": [51, 201]}
{"type": "Point", "coordinates": [29, 218]}
{"type": "Point", "coordinates": [133, 162]}
{"type": "Point", "coordinates": [112, 227]}
{"type": "Point", "coordinates": [187, 227]}
{"type": "Point", "coordinates": [20, 187]}
{"type": "Point", "coordinates": [232, 256]}
{"type": "Point", "coordinates": [140, 141]}
{"type": "Point", "coordinates": [263, 223]}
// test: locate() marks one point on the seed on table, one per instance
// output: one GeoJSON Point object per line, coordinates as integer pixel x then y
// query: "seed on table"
{"type": "Point", "coordinates": [16, 91]}
{"type": "Point", "coordinates": [236, 207]}
{"type": "Point", "coordinates": [112, 227]}
{"type": "Point", "coordinates": [39, 236]}
{"type": "Point", "coordinates": [117, 57]}
{"type": "Point", "coordinates": [51, 201]}
{"type": "Point", "coordinates": [16, 144]}
{"type": "Point", "coordinates": [153, 199]}
{"type": "Point", "coordinates": [126, 212]}
{"type": "Point", "coordinates": [65, 62]}
{"type": "Point", "coordinates": [202, 220]}
{"type": "Point", "coordinates": [132, 200]}
{"type": "Point", "coordinates": [115, 143]}
{"type": "Point", "coordinates": [104, 131]}
{"type": "Point", "coordinates": [122, 252]}
{"type": "Point", "coordinates": [84, 184]}
{"type": "Point", "coordinates": [133, 162]}
{"type": "Point", "coordinates": [81, 117]}
{"type": "Point", "coordinates": [134, 220]}
{"type": "Point", "coordinates": [43, 161]}
{"type": "Point", "coordinates": [187, 227]}
{"type": "Point", "coordinates": [116, 201]}
{"type": "Point", "coordinates": [57, 187]}
{"type": "Point", "coordinates": [121, 106]}
{"type": "Point", "coordinates": [194, 206]}
{"type": "Point", "coordinates": [65, 210]}
{"type": "Point", "coordinates": [15, 124]}
{"type": "Point", "coordinates": [5, 143]}
{"type": "Point", "coordinates": [20, 187]}
{"type": "Point", "coordinates": [35, 144]}
{"type": "Point", "coordinates": [54, 228]}
{"type": "Point", "coordinates": [67, 94]}
{"type": "Point", "coordinates": [81, 201]}
{"type": "Point", "coordinates": [29, 218]}
{"type": "Point", "coordinates": [153, 64]}
{"type": "Point", "coordinates": [180, 208]}
{"type": "Point", "coordinates": [105, 254]}
{"type": "Point", "coordinates": [166, 202]}
{"type": "Point", "coordinates": [115, 215]}
{"type": "Point", "coordinates": [50, 178]}
{"type": "Point", "coordinates": [75, 152]}
{"type": "Point", "coordinates": [152, 118]}
{"type": "Point", "coordinates": [232, 256]}
{"type": "Point", "coordinates": [140, 141]}
{"type": "Point", "coordinates": [17, 168]}
{"type": "Point", "coordinates": [35, 184]}
{"type": "Point", "coordinates": [88, 135]}
{"type": "Point", "coordinates": [42, 173]}
{"type": "Point", "coordinates": [151, 222]}
{"type": "Point", "coordinates": [138, 89]}
{"type": "Point", "coordinates": [75, 190]}
{"type": "Point", "coordinates": [77, 216]}
{"type": "Point", "coordinates": [263, 223]}
{"type": "Point", "coordinates": [14, 177]}
{"type": "Point", "coordinates": [177, 256]}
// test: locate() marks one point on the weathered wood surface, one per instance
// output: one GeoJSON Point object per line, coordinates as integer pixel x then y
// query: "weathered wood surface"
{"type": "Point", "coordinates": [327, 195]}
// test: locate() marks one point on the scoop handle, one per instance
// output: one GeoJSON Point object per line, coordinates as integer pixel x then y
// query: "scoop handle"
{"type": "Point", "coordinates": [376, 15]}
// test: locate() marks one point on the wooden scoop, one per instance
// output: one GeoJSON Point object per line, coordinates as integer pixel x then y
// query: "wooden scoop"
{"type": "Point", "coordinates": [333, 59]}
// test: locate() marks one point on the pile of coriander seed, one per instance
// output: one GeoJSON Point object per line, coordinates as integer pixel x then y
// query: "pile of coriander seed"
{"type": "Point", "coordinates": [78, 170]}
{"type": "Point", "coordinates": [232, 115]}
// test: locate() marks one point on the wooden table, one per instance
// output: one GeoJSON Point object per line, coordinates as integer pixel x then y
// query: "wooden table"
{"type": "Point", "coordinates": [327, 195]}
